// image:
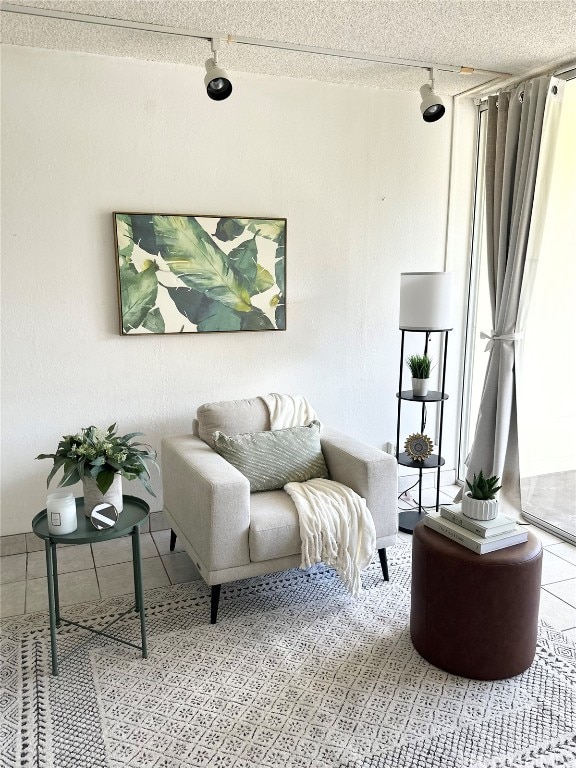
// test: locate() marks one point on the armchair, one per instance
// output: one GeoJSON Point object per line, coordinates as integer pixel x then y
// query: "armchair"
{"type": "Point", "coordinates": [233, 534]}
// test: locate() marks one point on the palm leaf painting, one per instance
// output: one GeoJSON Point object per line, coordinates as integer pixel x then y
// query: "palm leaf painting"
{"type": "Point", "coordinates": [194, 274]}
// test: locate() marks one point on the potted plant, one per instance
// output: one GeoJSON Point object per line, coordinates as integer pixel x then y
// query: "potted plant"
{"type": "Point", "coordinates": [420, 366]}
{"type": "Point", "coordinates": [100, 459]}
{"type": "Point", "coordinates": [479, 502]}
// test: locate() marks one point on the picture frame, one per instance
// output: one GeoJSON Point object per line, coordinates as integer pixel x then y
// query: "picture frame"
{"type": "Point", "coordinates": [418, 447]}
{"type": "Point", "coordinates": [199, 273]}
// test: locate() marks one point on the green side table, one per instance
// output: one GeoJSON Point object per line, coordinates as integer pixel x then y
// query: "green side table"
{"type": "Point", "coordinates": [135, 512]}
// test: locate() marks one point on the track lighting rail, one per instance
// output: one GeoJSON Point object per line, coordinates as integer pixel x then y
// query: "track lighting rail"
{"type": "Point", "coordinates": [210, 36]}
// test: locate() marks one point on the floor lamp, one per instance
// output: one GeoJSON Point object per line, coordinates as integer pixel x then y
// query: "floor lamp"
{"type": "Point", "coordinates": [426, 308]}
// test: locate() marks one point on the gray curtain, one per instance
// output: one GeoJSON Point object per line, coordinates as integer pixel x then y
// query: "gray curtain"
{"type": "Point", "coordinates": [514, 133]}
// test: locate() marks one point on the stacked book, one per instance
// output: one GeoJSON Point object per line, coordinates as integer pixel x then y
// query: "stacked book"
{"type": "Point", "coordinates": [478, 535]}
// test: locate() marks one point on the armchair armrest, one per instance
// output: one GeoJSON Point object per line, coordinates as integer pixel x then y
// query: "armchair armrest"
{"type": "Point", "coordinates": [208, 499]}
{"type": "Point", "coordinates": [370, 472]}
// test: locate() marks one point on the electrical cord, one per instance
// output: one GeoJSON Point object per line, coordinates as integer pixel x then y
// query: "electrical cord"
{"type": "Point", "coordinates": [423, 507]}
{"type": "Point", "coordinates": [407, 489]}
{"type": "Point", "coordinates": [411, 509]}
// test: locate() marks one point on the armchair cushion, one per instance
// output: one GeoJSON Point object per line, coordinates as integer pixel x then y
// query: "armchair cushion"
{"type": "Point", "coordinates": [274, 526]}
{"type": "Point", "coordinates": [271, 459]}
{"type": "Point", "coordinates": [233, 417]}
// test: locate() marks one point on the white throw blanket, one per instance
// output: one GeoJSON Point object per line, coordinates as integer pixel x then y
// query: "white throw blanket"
{"type": "Point", "coordinates": [289, 411]}
{"type": "Point", "coordinates": [336, 527]}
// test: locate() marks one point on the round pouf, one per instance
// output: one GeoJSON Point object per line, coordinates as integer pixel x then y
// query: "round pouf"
{"type": "Point", "coordinates": [475, 615]}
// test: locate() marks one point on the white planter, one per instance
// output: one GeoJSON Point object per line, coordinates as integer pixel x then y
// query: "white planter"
{"type": "Point", "coordinates": [420, 387]}
{"type": "Point", "coordinates": [93, 495]}
{"type": "Point", "coordinates": [479, 509]}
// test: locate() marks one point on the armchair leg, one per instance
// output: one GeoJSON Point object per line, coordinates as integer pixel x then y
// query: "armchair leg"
{"type": "Point", "coordinates": [214, 603]}
{"type": "Point", "coordinates": [383, 563]}
{"type": "Point", "coordinates": [172, 540]}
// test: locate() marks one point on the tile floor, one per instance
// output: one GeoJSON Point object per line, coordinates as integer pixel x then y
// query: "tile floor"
{"type": "Point", "coordinates": [90, 572]}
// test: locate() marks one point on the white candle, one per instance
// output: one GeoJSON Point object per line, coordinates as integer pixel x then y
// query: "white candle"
{"type": "Point", "coordinates": [61, 511]}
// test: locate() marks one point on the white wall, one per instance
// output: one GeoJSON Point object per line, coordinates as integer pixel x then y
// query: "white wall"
{"type": "Point", "coordinates": [362, 180]}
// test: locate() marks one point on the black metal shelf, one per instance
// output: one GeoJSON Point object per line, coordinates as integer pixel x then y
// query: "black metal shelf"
{"type": "Point", "coordinates": [430, 462]}
{"type": "Point", "coordinates": [409, 518]}
{"type": "Point", "coordinates": [431, 397]}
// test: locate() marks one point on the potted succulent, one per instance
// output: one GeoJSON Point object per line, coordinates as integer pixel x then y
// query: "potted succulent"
{"type": "Point", "coordinates": [420, 366]}
{"type": "Point", "coordinates": [100, 459]}
{"type": "Point", "coordinates": [479, 502]}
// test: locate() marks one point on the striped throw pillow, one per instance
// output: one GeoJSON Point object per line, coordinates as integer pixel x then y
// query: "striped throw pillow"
{"type": "Point", "coordinates": [271, 459]}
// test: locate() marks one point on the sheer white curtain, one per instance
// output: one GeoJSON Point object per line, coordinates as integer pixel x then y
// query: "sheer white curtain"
{"type": "Point", "coordinates": [519, 149]}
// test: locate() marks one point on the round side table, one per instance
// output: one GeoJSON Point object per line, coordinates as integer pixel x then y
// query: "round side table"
{"type": "Point", "coordinates": [475, 615]}
{"type": "Point", "coordinates": [135, 512]}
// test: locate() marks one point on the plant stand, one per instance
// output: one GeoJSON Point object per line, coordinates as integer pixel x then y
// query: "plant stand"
{"type": "Point", "coordinates": [134, 514]}
{"type": "Point", "coordinates": [409, 518]}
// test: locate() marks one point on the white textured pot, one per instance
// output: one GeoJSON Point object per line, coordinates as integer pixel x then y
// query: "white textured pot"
{"type": "Point", "coordinates": [93, 495]}
{"type": "Point", "coordinates": [479, 509]}
{"type": "Point", "coordinates": [420, 387]}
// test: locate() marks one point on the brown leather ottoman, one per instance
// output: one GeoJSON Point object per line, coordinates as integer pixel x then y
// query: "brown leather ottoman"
{"type": "Point", "coordinates": [475, 615]}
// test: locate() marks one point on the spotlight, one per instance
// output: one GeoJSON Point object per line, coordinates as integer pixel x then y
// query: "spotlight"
{"type": "Point", "coordinates": [217, 82]}
{"type": "Point", "coordinates": [431, 107]}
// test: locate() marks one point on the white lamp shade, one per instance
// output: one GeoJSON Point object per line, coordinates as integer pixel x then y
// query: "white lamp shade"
{"type": "Point", "coordinates": [426, 301]}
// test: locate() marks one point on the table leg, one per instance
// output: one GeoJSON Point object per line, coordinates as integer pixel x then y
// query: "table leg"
{"type": "Point", "coordinates": [136, 570]}
{"type": "Point", "coordinates": [55, 581]}
{"type": "Point", "coordinates": [138, 590]}
{"type": "Point", "coordinates": [51, 604]}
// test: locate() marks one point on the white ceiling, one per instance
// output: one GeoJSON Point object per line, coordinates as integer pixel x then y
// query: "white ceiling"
{"type": "Point", "coordinates": [512, 37]}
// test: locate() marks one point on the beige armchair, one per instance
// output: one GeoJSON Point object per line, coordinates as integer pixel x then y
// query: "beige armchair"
{"type": "Point", "coordinates": [233, 534]}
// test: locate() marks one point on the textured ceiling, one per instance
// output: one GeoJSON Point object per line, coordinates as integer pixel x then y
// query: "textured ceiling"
{"type": "Point", "coordinates": [512, 37]}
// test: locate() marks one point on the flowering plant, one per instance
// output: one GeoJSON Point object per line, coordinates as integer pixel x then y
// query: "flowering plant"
{"type": "Point", "coordinates": [100, 455]}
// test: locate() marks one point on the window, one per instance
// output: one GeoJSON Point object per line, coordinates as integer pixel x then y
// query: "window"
{"type": "Point", "coordinates": [546, 405]}
{"type": "Point", "coordinates": [478, 317]}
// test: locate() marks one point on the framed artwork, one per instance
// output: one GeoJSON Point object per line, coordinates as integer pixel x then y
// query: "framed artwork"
{"type": "Point", "coordinates": [198, 274]}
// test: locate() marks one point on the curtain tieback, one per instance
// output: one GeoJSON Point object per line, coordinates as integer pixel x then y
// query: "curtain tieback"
{"type": "Point", "coordinates": [504, 337]}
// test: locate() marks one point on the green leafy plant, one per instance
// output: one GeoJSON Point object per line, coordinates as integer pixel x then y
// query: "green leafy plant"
{"type": "Point", "coordinates": [483, 488]}
{"type": "Point", "coordinates": [101, 454]}
{"type": "Point", "coordinates": [420, 366]}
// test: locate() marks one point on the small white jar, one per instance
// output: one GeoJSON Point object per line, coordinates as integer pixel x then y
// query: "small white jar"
{"type": "Point", "coordinates": [61, 512]}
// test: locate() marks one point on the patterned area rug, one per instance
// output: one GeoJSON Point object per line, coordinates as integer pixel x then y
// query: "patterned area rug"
{"type": "Point", "coordinates": [296, 673]}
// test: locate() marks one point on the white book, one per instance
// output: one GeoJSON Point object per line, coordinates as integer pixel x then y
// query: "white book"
{"type": "Point", "coordinates": [470, 540]}
{"type": "Point", "coordinates": [484, 528]}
